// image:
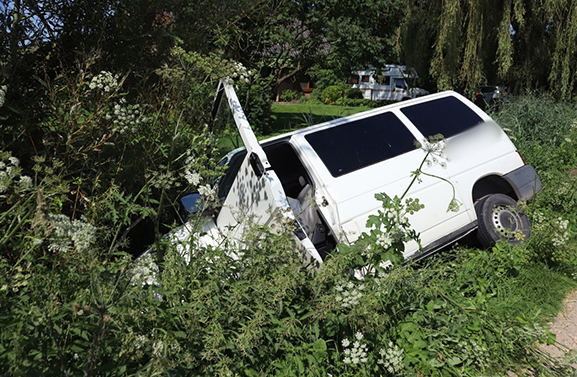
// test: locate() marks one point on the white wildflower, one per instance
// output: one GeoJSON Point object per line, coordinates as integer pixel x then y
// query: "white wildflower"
{"type": "Point", "coordinates": [357, 353]}
{"type": "Point", "coordinates": [192, 177]}
{"type": "Point", "coordinates": [126, 118]}
{"type": "Point", "coordinates": [14, 161]}
{"type": "Point", "coordinates": [384, 240]}
{"type": "Point", "coordinates": [391, 358]}
{"type": "Point", "coordinates": [157, 349]}
{"type": "Point", "coordinates": [141, 340]}
{"type": "Point", "coordinates": [206, 191]}
{"type": "Point", "coordinates": [3, 90]}
{"type": "Point", "coordinates": [105, 81]}
{"type": "Point", "coordinates": [560, 232]}
{"type": "Point", "coordinates": [349, 295]}
{"type": "Point", "coordinates": [24, 183]}
{"type": "Point", "coordinates": [67, 234]}
{"type": "Point", "coordinates": [10, 174]}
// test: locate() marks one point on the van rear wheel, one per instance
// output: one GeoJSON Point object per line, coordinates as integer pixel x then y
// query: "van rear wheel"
{"type": "Point", "coordinates": [500, 218]}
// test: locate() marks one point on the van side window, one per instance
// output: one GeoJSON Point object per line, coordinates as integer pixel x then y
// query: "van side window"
{"type": "Point", "coordinates": [447, 116]}
{"type": "Point", "coordinates": [232, 167]}
{"type": "Point", "coordinates": [361, 143]}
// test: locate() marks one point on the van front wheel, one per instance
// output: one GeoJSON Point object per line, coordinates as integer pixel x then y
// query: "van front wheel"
{"type": "Point", "coordinates": [500, 218]}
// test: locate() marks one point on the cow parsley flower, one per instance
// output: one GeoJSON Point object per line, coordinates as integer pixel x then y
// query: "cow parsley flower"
{"type": "Point", "coordinates": [391, 358]}
{"type": "Point", "coordinates": [104, 81]}
{"type": "Point", "coordinates": [207, 191]}
{"type": "Point", "coordinates": [3, 90]}
{"type": "Point", "coordinates": [157, 349]}
{"type": "Point", "coordinates": [561, 232]}
{"type": "Point", "coordinates": [10, 174]}
{"type": "Point", "coordinates": [68, 234]}
{"type": "Point", "coordinates": [384, 240]}
{"type": "Point", "coordinates": [126, 118]}
{"type": "Point", "coordinates": [357, 353]}
{"type": "Point", "coordinates": [349, 295]}
{"type": "Point", "coordinates": [190, 173]}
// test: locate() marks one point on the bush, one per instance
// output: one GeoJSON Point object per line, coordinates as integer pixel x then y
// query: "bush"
{"type": "Point", "coordinates": [353, 93]}
{"type": "Point", "coordinates": [73, 303]}
{"type": "Point", "coordinates": [545, 132]}
{"type": "Point", "coordinates": [289, 95]}
{"type": "Point", "coordinates": [359, 102]}
{"type": "Point", "coordinates": [333, 93]}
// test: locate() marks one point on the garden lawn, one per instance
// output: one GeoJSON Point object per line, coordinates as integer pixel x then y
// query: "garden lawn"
{"type": "Point", "coordinates": [292, 116]}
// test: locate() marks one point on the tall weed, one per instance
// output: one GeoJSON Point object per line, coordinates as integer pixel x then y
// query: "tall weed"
{"type": "Point", "coordinates": [546, 133]}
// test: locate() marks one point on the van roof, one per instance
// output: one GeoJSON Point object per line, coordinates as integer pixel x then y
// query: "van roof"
{"type": "Point", "coordinates": [363, 114]}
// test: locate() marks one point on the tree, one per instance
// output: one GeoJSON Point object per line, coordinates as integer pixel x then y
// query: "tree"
{"type": "Point", "coordinates": [287, 37]}
{"type": "Point", "coordinates": [523, 44]}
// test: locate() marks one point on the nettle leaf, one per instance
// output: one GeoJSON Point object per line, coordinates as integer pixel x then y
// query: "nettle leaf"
{"type": "Point", "coordinates": [454, 360]}
{"type": "Point", "coordinates": [435, 363]}
{"type": "Point", "coordinates": [435, 304]}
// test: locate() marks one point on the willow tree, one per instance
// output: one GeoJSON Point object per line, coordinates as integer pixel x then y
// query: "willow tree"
{"type": "Point", "coordinates": [522, 44]}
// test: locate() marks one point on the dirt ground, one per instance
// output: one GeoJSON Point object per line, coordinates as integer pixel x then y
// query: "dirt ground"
{"type": "Point", "coordinates": [565, 328]}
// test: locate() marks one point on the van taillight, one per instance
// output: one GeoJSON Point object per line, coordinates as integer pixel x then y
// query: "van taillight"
{"type": "Point", "coordinates": [522, 159]}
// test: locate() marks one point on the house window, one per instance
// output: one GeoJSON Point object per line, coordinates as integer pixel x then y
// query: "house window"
{"type": "Point", "coordinates": [365, 78]}
{"type": "Point", "coordinates": [306, 87]}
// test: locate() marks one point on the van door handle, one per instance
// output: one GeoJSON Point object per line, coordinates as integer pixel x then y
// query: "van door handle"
{"type": "Point", "coordinates": [256, 164]}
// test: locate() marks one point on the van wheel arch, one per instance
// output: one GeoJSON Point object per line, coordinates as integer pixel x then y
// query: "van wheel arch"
{"type": "Point", "coordinates": [492, 184]}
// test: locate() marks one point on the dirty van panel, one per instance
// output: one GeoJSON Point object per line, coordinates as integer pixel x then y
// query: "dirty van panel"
{"type": "Point", "coordinates": [361, 143]}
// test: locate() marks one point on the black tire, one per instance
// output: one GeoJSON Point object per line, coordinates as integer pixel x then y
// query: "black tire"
{"type": "Point", "coordinates": [500, 218]}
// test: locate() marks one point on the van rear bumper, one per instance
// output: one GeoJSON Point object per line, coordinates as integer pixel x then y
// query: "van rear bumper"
{"type": "Point", "coordinates": [525, 181]}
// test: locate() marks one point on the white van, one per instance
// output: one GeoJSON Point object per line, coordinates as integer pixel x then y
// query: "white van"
{"type": "Point", "coordinates": [392, 84]}
{"type": "Point", "coordinates": [328, 175]}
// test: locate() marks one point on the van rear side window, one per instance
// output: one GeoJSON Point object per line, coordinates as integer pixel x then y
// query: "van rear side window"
{"type": "Point", "coordinates": [357, 144]}
{"type": "Point", "coordinates": [446, 116]}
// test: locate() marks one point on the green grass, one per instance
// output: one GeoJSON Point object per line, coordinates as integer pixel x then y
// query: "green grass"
{"type": "Point", "coordinates": [289, 117]}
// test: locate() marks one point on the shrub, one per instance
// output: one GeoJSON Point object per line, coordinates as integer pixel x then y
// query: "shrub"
{"type": "Point", "coordinates": [289, 95]}
{"type": "Point", "coordinates": [358, 102]}
{"type": "Point", "coordinates": [545, 132]}
{"type": "Point", "coordinates": [333, 93]}
{"type": "Point", "coordinates": [353, 93]}
{"type": "Point", "coordinates": [73, 303]}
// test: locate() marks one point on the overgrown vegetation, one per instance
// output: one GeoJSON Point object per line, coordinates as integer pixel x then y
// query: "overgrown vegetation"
{"type": "Point", "coordinates": [105, 125]}
{"type": "Point", "coordinates": [72, 302]}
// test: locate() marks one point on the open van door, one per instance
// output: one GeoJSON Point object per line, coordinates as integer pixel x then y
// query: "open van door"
{"type": "Point", "coordinates": [255, 194]}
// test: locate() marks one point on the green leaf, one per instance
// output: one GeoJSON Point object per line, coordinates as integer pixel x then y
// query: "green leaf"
{"type": "Point", "coordinates": [454, 360]}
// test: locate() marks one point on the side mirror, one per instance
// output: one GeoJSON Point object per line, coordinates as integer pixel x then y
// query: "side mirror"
{"type": "Point", "coordinates": [193, 203]}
